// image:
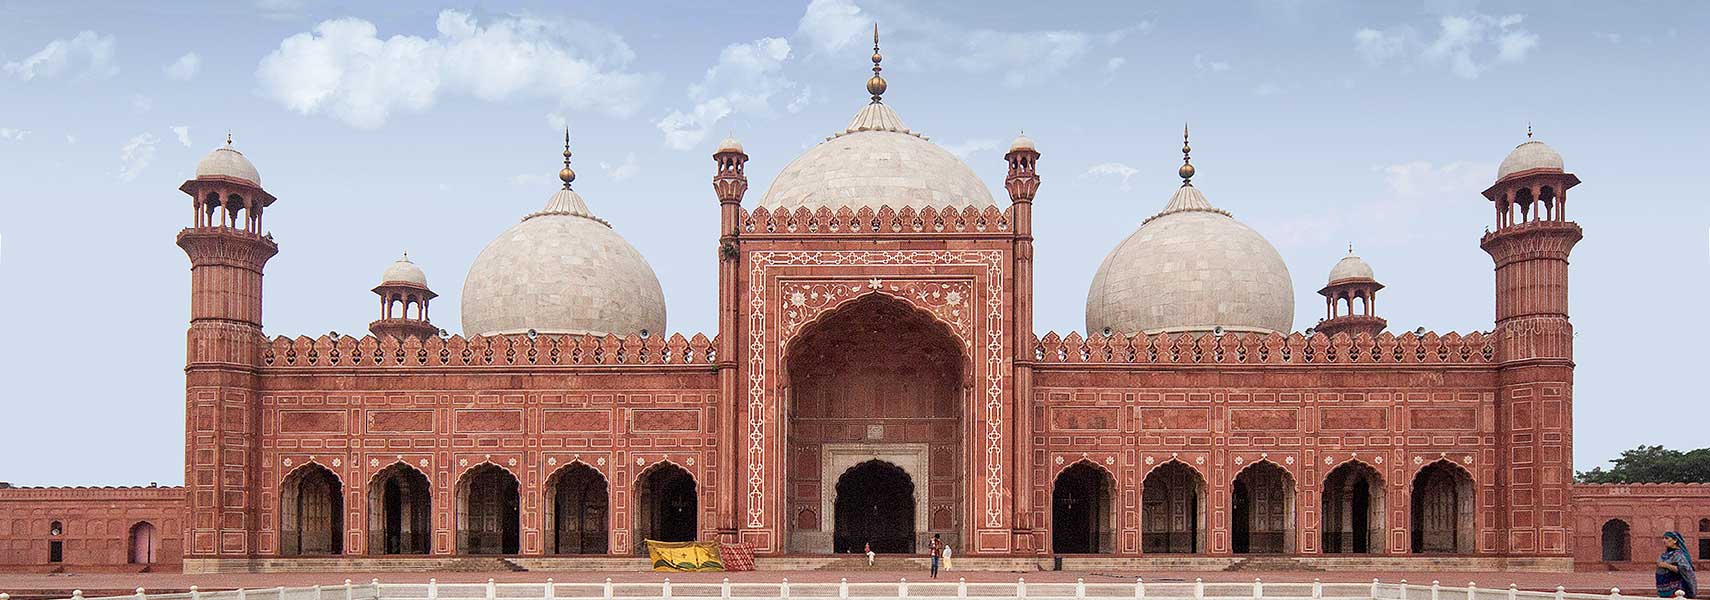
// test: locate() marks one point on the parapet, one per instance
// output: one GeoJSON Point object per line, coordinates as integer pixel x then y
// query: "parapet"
{"type": "Point", "coordinates": [508, 350]}
{"type": "Point", "coordinates": [1266, 349]}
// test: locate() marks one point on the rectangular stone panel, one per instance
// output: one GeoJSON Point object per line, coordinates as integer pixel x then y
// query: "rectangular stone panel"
{"type": "Point", "coordinates": [1353, 419]}
{"type": "Point", "coordinates": [305, 421]}
{"type": "Point", "coordinates": [487, 421]}
{"type": "Point", "coordinates": [400, 421]}
{"type": "Point", "coordinates": [1103, 418]}
{"type": "Point", "coordinates": [1443, 418]}
{"type": "Point", "coordinates": [1264, 419]}
{"type": "Point", "coordinates": [664, 420]}
{"type": "Point", "coordinates": [575, 421]}
{"type": "Point", "coordinates": [1179, 419]}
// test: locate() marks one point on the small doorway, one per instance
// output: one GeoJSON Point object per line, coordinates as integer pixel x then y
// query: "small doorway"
{"type": "Point", "coordinates": [311, 516]}
{"type": "Point", "coordinates": [487, 511]}
{"type": "Point", "coordinates": [1081, 511]}
{"type": "Point", "coordinates": [401, 525]}
{"type": "Point", "coordinates": [666, 506]}
{"type": "Point", "coordinates": [875, 505]}
{"type": "Point", "coordinates": [1442, 510]}
{"type": "Point", "coordinates": [1170, 512]}
{"type": "Point", "coordinates": [1352, 510]}
{"type": "Point", "coordinates": [142, 544]}
{"type": "Point", "coordinates": [1262, 521]}
{"type": "Point", "coordinates": [1617, 541]}
{"type": "Point", "coordinates": [576, 511]}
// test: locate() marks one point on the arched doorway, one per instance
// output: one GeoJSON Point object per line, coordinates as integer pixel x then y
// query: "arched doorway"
{"type": "Point", "coordinates": [1617, 541]}
{"type": "Point", "coordinates": [311, 512]}
{"type": "Point", "coordinates": [1442, 510]}
{"type": "Point", "coordinates": [874, 505]}
{"type": "Point", "coordinates": [1171, 514]}
{"type": "Point", "coordinates": [1703, 537]}
{"type": "Point", "coordinates": [576, 508]}
{"type": "Point", "coordinates": [874, 378]}
{"type": "Point", "coordinates": [1083, 511]}
{"type": "Point", "coordinates": [487, 511]}
{"type": "Point", "coordinates": [666, 506]}
{"type": "Point", "coordinates": [1353, 510]}
{"type": "Point", "coordinates": [399, 511]}
{"type": "Point", "coordinates": [143, 544]}
{"type": "Point", "coordinates": [1262, 516]}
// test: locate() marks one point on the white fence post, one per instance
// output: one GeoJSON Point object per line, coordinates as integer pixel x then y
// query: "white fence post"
{"type": "Point", "coordinates": [141, 596]}
{"type": "Point", "coordinates": [665, 589]}
{"type": "Point", "coordinates": [433, 588]}
{"type": "Point", "coordinates": [1436, 588]}
{"type": "Point", "coordinates": [1318, 589]}
{"type": "Point", "coordinates": [492, 589]}
{"type": "Point", "coordinates": [902, 588]}
{"type": "Point", "coordinates": [1021, 588]}
{"type": "Point", "coordinates": [1139, 588]}
{"type": "Point", "coordinates": [1472, 591]}
{"type": "Point", "coordinates": [724, 589]}
{"type": "Point", "coordinates": [784, 589]}
{"type": "Point", "coordinates": [1198, 588]}
{"type": "Point", "coordinates": [1080, 588]}
{"type": "Point", "coordinates": [1513, 591]}
{"type": "Point", "coordinates": [961, 587]}
{"type": "Point", "coordinates": [1680, 593]}
{"type": "Point", "coordinates": [1258, 588]}
{"type": "Point", "coordinates": [195, 594]}
{"type": "Point", "coordinates": [348, 593]}
{"type": "Point", "coordinates": [1614, 593]}
{"type": "Point", "coordinates": [1561, 593]}
{"type": "Point", "coordinates": [1374, 588]}
{"type": "Point", "coordinates": [78, 594]}
{"type": "Point", "coordinates": [842, 589]}
{"type": "Point", "coordinates": [551, 589]}
{"type": "Point", "coordinates": [606, 592]}
{"type": "Point", "coordinates": [243, 594]}
{"type": "Point", "coordinates": [281, 591]}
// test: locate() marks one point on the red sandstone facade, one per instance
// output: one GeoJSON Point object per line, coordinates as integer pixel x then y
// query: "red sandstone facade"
{"type": "Point", "coordinates": [91, 529]}
{"type": "Point", "coordinates": [894, 347]}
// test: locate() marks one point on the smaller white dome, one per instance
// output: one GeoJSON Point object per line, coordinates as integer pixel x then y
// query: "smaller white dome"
{"type": "Point", "coordinates": [226, 161]}
{"type": "Point", "coordinates": [729, 145]}
{"type": "Point", "coordinates": [404, 271]}
{"type": "Point", "coordinates": [1529, 155]}
{"type": "Point", "coordinates": [1350, 267]}
{"type": "Point", "coordinates": [1022, 142]}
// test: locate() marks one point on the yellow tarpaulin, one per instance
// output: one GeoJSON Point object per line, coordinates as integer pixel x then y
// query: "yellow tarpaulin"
{"type": "Point", "coordinates": [684, 556]}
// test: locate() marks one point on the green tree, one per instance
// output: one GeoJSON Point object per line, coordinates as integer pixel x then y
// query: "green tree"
{"type": "Point", "coordinates": [1653, 464]}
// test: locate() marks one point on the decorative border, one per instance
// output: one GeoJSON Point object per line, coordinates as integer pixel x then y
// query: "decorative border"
{"type": "Point", "coordinates": [761, 260]}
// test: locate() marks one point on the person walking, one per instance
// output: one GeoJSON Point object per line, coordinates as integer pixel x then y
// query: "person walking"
{"type": "Point", "coordinates": [934, 547]}
{"type": "Point", "coordinates": [947, 557]}
{"type": "Point", "coordinates": [1674, 568]}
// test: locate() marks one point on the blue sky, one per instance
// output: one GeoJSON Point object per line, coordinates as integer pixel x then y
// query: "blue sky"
{"type": "Point", "coordinates": [385, 127]}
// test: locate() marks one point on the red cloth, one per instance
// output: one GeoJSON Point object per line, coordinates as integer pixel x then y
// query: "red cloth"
{"type": "Point", "coordinates": [736, 556]}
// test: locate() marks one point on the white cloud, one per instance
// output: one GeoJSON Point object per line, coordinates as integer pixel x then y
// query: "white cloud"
{"type": "Point", "coordinates": [185, 68]}
{"type": "Point", "coordinates": [135, 155]}
{"type": "Point", "coordinates": [620, 172]}
{"type": "Point", "coordinates": [70, 139]}
{"type": "Point", "coordinates": [1413, 193]}
{"type": "Point", "coordinates": [1115, 63]}
{"type": "Point", "coordinates": [1205, 64]}
{"type": "Point", "coordinates": [1110, 169]}
{"type": "Point", "coordinates": [745, 80]}
{"type": "Point", "coordinates": [968, 148]}
{"type": "Point", "coordinates": [557, 122]}
{"type": "Point", "coordinates": [16, 135]}
{"type": "Point", "coordinates": [1466, 45]}
{"type": "Point", "coordinates": [345, 70]}
{"type": "Point", "coordinates": [88, 53]}
{"type": "Point", "coordinates": [141, 104]}
{"type": "Point", "coordinates": [832, 25]}
{"type": "Point", "coordinates": [183, 133]}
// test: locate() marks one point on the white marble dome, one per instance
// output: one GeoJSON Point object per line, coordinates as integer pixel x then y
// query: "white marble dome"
{"type": "Point", "coordinates": [227, 161]}
{"type": "Point", "coordinates": [1350, 267]}
{"type": "Point", "coordinates": [404, 271]}
{"type": "Point", "coordinates": [1191, 267]}
{"type": "Point", "coordinates": [1530, 154]}
{"type": "Point", "coordinates": [876, 161]}
{"type": "Point", "coordinates": [562, 270]}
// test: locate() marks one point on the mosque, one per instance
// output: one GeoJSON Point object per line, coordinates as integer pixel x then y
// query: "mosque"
{"type": "Point", "coordinates": [875, 379]}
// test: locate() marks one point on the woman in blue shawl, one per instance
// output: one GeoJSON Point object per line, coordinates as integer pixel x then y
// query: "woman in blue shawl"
{"type": "Point", "coordinates": [1674, 568]}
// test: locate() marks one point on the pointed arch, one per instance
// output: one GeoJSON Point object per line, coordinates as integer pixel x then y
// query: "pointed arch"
{"type": "Point", "coordinates": [487, 510]}
{"type": "Point", "coordinates": [1352, 511]}
{"type": "Point", "coordinates": [667, 505]}
{"type": "Point", "coordinates": [1617, 541]}
{"type": "Point", "coordinates": [578, 506]}
{"type": "Point", "coordinates": [1443, 508]}
{"type": "Point", "coordinates": [1262, 509]}
{"type": "Point", "coordinates": [311, 511]}
{"type": "Point", "coordinates": [874, 504]}
{"type": "Point", "coordinates": [400, 511]}
{"type": "Point", "coordinates": [1083, 509]}
{"type": "Point", "coordinates": [144, 544]}
{"type": "Point", "coordinates": [1172, 512]}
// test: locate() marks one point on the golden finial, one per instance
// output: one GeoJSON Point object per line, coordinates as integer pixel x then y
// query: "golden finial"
{"type": "Point", "coordinates": [876, 84]}
{"type": "Point", "coordinates": [1187, 165]}
{"type": "Point", "coordinates": [567, 175]}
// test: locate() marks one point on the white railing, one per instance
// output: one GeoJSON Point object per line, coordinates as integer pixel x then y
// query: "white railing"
{"type": "Point", "coordinates": [903, 589]}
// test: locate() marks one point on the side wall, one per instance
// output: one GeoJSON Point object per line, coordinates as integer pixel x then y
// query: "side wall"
{"type": "Point", "coordinates": [1648, 510]}
{"type": "Point", "coordinates": [95, 527]}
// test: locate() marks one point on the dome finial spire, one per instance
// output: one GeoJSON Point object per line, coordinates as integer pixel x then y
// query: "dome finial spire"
{"type": "Point", "coordinates": [876, 84]}
{"type": "Point", "coordinates": [1350, 248]}
{"type": "Point", "coordinates": [228, 137]}
{"type": "Point", "coordinates": [1528, 130]}
{"type": "Point", "coordinates": [567, 175]}
{"type": "Point", "coordinates": [1186, 172]}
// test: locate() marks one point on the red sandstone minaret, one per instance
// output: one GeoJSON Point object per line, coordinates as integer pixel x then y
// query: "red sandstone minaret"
{"type": "Point", "coordinates": [1351, 281]}
{"type": "Point", "coordinates": [227, 251]}
{"type": "Point", "coordinates": [730, 182]}
{"type": "Point", "coordinates": [404, 297]}
{"type": "Point", "coordinates": [1534, 346]}
{"type": "Point", "coordinates": [1022, 183]}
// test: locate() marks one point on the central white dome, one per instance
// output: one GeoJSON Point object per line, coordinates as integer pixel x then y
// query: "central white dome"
{"type": "Point", "coordinates": [562, 270]}
{"type": "Point", "coordinates": [875, 162]}
{"type": "Point", "coordinates": [1191, 267]}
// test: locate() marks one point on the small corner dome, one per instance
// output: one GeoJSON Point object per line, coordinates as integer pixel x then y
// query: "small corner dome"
{"type": "Point", "coordinates": [1022, 142]}
{"type": "Point", "coordinates": [404, 271]}
{"type": "Point", "coordinates": [1530, 155]}
{"type": "Point", "coordinates": [729, 145]}
{"type": "Point", "coordinates": [562, 270]}
{"type": "Point", "coordinates": [226, 161]}
{"type": "Point", "coordinates": [876, 161]}
{"type": "Point", "coordinates": [1350, 267]}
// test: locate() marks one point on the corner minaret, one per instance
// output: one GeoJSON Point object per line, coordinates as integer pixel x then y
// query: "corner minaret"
{"type": "Point", "coordinates": [1351, 281]}
{"type": "Point", "coordinates": [1534, 347]}
{"type": "Point", "coordinates": [730, 183]}
{"type": "Point", "coordinates": [227, 250]}
{"type": "Point", "coordinates": [404, 297]}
